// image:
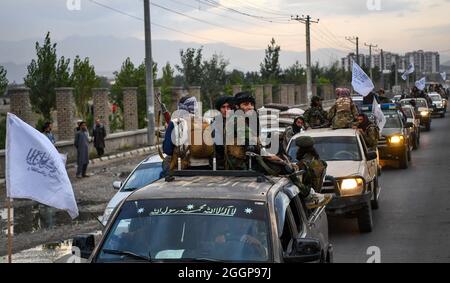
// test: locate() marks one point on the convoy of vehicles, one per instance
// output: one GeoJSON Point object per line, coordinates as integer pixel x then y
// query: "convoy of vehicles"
{"type": "Point", "coordinates": [244, 216]}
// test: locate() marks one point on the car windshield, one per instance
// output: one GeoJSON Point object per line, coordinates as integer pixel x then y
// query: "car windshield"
{"type": "Point", "coordinates": [435, 97]}
{"type": "Point", "coordinates": [419, 103]}
{"type": "Point", "coordinates": [144, 175]}
{"type": "Point", "coordinates": [392, 121]}
{"type": "Point", "coordinates": [333, 149]}
{"type": "Point", "coordinates": [188, 230]}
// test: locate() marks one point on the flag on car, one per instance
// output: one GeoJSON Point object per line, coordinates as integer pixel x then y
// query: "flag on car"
{"type": "Point", "coordinates": [361, 82]}
{"type": "Point", "coordinates": [34, 168]}
{"type": "Point", "coordinates": [444, 76]}
{"type": "Point", "coordinates": [380, 119]}
{"type": "Point", "coordinates": [408, 72]}
{"type": "Point", "coordinates": [421, 84]}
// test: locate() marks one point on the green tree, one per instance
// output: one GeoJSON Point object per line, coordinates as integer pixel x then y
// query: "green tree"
{"type": "Point", "coordinates": [213, 79]}
{"type": "Point", "coordinates": [63, 78]}
{"type": "Point", "coordinates": [295, 74]}
{"type": "Point", "coordinates": [41, 78]}
{"type": "Point", "coordinates": [191, 66]}
{"type": "Point", "coordinates": [270, 68]}
{"type": "Point", "coordinates": [84, 80]}
{"type": "Point", "coordinates": [167, 83]}
{"type": "Point", "coordinates": [3, 80]}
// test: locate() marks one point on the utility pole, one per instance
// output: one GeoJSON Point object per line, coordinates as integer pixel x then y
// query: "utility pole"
{"type": "Point", "coordinates": [355, 40]}
{"type": "Point", "coordinates": [382, 68]}
{"type": "Point", "coordinates": [149, 76]}
{"type": "Point", "coordinates": [370, 56]}
{"type": "Point", "coordinates": [396, 70]}
{"type": "Point", "coordinates": [307, 21]}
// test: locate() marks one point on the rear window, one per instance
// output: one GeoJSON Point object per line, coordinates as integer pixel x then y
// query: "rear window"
{"type": "Point", "coordinates": [333, 149]}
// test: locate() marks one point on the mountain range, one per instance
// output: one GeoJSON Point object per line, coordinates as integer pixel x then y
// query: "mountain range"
{"type": "Point", "coordinates": [107, 53]}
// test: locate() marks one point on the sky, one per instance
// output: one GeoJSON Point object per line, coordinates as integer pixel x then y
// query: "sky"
{"type": "Point", "coordinates": [394, 25]}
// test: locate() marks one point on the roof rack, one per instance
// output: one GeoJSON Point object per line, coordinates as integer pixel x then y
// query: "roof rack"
{"type": "Point", "coordinates": [260, 177]}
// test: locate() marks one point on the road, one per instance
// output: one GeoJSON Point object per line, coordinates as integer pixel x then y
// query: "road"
{"type": "Point", "coordinates": [413, 222]}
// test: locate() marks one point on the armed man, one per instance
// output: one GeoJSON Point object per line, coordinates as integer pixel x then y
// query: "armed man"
{"type": "Point", "coordinates": [369, 131]}
{"type": "Point", "coordinates": [315, 116]}
{"type": "Point", "coordinates": [344, 112]}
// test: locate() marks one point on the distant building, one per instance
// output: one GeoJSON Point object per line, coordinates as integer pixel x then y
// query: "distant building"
{"type": "Point", "coordinates": [424, 62]}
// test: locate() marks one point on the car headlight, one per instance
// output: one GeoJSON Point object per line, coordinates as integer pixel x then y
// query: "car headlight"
{"type": "Point", "coordinates": [351, 186]}
{"type": "Point", "coordinates": [107, 214]}
{"type": "Point", "coordinates": [424, 113]}
{"type": "Point", "coordinates": [396, 139]}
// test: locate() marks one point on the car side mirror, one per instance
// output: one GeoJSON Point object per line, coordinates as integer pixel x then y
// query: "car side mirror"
{"type": "Point", "coordinates": [85, 244]}
{"type": "Point", "coordinates": [305, 250]}
{"type": "Point", "coordinates": [372, 155]}
{"type": "Point", "coordinates": [117, 185]}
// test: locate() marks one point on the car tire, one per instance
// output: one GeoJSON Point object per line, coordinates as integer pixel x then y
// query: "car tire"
{"type": "Point", "coordinates": [330, 255]}
{"type": "Point", "coordinates": [403, 161]}
{"type": "Point", "coordinates": [375, 203]}
{"type": "Point", "coordinates": [409, 156]}
{"type": "Point", "coordinates": [443, 115]}
{"type": "Point", "coordinates": [365, 219]}
{"type": "Point", "coordinates": [428, 127]}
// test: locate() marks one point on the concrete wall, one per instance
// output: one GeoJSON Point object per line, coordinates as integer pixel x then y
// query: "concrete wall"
{"type": "Point", "coordinates": [114, 143]}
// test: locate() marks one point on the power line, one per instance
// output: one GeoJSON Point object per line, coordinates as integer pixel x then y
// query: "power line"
{"type": "Point", "coordinates": [215, 4]}
{"type": "Point", "coordinates": [266, 10]}
{"type": "Point", "coordinates": [163, 26]}
{"type": "Point", "coordinates": [228, 17]}
{"type": "Point", "coordinates": [207, 22]}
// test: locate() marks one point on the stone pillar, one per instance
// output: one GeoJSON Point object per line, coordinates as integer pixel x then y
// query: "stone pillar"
{"type": "Point", "coordinates": [298, 95]}
{"type": "Point", "coordinates": [20, 104]}
{"type": "Point", "coordinates": [237, 89]}
{"type": "Point", "coordinates": [177, 94]}
{"type": "Point", "coordinates": [130, 109]}
{"type": "Point", "coordinates": [291, 95]}
{"type": "Point", "coordinates": [314, 90]}
{"type": "Point", "coordinates": [304, 94]}
{"type": "Point", "coordinates": [259, 96]}
{"type": "Point", "coordinates": [284, 94]}
{"type": "Point", "coordinates": [101, 106]}
{"type": "Point", "coordinates": [268, 97]}
{"type": "Point", "coordinates": [65, 113]}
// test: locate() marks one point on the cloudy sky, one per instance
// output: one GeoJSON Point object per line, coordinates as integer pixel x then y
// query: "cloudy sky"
{"type": "Point", "coordinates": [395, 25]}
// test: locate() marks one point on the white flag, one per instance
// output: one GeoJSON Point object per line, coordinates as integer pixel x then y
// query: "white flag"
{"type": "Point", "coordinates": [444, 76]}
{"type": "Point", "coordinates": [34, 168]}
{"type": "Point", "coordinates": [421, 84]}
{"type": "Point", "coordinates": [361, 82]}
{"type": "Point", "coordinates": [379, 115]}
{"type": "Point", "coordinates": [408, 72]}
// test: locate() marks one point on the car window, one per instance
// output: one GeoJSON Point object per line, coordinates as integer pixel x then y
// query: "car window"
{"type": "Point", "coordinates": [144, 175]}
{"type": "Point", "coordinates": [281, 205]}
{"type": "Point", "coordinates": [332, 149]}
{"type": "Point", "coordinates": [177, 230]}
{"type": "Point", "coordinates": [297, 213]}
{"type": "Point", "coordinates": [288, 232]}
{"type": "Point", "coordinates": [435, 97]}
{"type": "Point", "coordinates": [392, 121]}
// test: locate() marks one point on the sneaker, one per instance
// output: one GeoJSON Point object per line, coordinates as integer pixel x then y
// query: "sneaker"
{"type": "Point", "coordinates": [316, 200]}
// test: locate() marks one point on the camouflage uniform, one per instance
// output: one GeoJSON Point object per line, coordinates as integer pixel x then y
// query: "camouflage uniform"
{"type": "Point", "coordinates": [340, 116]}
{"type": "Point", "coordinates": [371, 136]}
{"type": "Point", "coordinates": [316, 117]}
{"type": "Point", "coordinates": [235, 155]}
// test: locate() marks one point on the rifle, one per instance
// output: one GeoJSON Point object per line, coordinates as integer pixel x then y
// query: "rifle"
{"type": "Point", "coordinates": [165, 112]}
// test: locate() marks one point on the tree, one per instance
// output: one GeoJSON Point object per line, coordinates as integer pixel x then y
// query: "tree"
{"type": "Point", "coordinates": [63, 78]}
{"type": "Point", "coordinates": [45, 74]}
{"type": "Point", "coordinates": [295, 74]}
{"type": "Point", "coordinates": [191, 66]}
{"type": "Point", "coordinates": [270, 68]}
{"type": "Point", "coordinates": [84, 80]}
{"type": "Point", "coordinates": [213, 79]}
{"type": "Point", "coordinates": [167, 83]}
{"type": "Point", "coordinates": [41, 78]}
{"type": "Point", "coordinates": [3, 80]}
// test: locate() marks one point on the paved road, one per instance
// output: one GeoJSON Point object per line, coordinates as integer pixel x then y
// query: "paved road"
{"type": "Point", "coordinates": [413, 222]}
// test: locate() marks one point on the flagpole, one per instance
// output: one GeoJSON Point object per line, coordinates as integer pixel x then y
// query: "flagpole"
{"type": "Point", "coordinates": [10, 241]}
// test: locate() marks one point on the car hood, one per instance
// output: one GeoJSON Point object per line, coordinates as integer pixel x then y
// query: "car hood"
{"type": "Point", "coordinates": [342, 169]}
{"type": "Point", "coordinates": [391, 132]}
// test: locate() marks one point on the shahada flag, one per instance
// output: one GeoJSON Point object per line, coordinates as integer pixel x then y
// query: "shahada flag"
{"type": "Point", "coordinates": [421, 84]}
{"type": "Point", "coordinates": [408, 72]}
{"type": "Point", "coordinates": [361, 82]}
{"type": "Point", "coordinates": [34, 168]}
